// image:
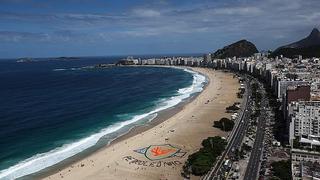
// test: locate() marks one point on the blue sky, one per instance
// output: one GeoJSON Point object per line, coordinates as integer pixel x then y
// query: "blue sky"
{"type": "Point", "coordinates": [43, 28]}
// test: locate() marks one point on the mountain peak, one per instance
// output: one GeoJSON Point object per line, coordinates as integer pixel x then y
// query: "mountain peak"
{"type": "Point", "coordinates": [312, 40]}
{"type": "Point", "coordinates": [242, 48]}
{"type": "Point", "coordinates": [315, 33]}
{"type": "Point", "coordinates": [242, 40]}
{"type": "Point", "coordinates": [307, 47]}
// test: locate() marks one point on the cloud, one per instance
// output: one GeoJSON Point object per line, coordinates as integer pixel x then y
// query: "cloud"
{"type": "Point", "coordinates": [13, 36]}
{"type": "Point", "coordinates": [60, 18]}
{"type": "Point", "coordinates": [265, 21]}
{"type": "Point", "coordinates": [312, 17]}
{"type": "Point", "coordinates": [55, 36]}
{"type": "Point", "coordinates": [249, 11]}
{"type": "Point", "coordinates": [146, 13]}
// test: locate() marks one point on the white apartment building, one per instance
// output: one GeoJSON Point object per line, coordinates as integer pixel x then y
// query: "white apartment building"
{"type": "Point", "coordinates": [305, 120]}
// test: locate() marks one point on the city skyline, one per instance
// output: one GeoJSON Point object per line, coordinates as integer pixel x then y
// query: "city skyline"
{"type": "Point", "coordinates": [32, 28]}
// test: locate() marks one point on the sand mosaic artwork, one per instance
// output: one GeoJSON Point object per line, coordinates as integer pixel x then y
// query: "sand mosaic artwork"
{"type": "Point", "coordinates": [157, 156]}
{"type": "Point", "coordinates": [158, 152]}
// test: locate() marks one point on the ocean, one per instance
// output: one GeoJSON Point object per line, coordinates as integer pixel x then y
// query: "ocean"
{"type": "Point", "coordinates": [51, 110]}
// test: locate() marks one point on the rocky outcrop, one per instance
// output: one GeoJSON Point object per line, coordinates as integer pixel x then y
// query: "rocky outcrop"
{"type": "Point", "coordinates": [307, 47]}
{"type": "Point", "coordinates": [241, 48]}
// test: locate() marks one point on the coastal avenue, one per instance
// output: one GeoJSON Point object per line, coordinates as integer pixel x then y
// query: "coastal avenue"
{"type": "Point", "coordinates": [255, 157]}
{"type": "Point", "coordinates": [235, 138]}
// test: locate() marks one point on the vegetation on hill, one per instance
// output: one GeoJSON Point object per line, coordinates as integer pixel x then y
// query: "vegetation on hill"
{"type": "Point", "coordinates": [308, 47]}
{"type": "Point", "coordinates": [241, 48]}
{"type": "Point", "coordinates": [305, 52]}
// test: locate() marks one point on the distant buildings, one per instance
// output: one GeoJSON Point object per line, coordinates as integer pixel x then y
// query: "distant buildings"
{"type": "Point", "coordinates": [168, 61]}
{"type": "Point", "coordinates": [296, 85]}
{"type": "Point", "coordinates": [294, 82]}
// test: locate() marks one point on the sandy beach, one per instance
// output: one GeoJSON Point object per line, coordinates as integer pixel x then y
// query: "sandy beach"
{"type": "Point", "coordinates": [159, 152]}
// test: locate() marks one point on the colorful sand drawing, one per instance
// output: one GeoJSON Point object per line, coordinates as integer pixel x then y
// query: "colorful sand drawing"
{"type": "Point", "coordinates": [157, 152]}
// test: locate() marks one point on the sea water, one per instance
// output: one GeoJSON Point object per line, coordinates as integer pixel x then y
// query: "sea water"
{"type": "Point", "coordinates": [51, 110]}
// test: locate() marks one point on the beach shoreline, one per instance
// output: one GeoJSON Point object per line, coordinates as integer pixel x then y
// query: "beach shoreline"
{"type": "Point", "coordinates": [80, 167]}
{"type": "Point", "coordinates": [136, 129]}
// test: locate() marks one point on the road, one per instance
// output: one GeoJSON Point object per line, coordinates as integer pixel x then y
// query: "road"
{"type": "Point", "coordinates": [235, 138]}
{"type": "Point", "coordinates": [255, 157]}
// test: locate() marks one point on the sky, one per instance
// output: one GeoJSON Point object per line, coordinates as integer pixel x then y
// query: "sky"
{"type": "Point", "coordinates": [53, 28]}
